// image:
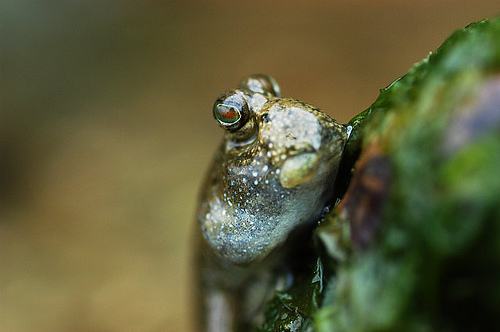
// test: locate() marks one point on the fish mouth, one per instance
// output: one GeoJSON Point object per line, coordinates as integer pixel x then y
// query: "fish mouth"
{"type": "Point", "coordinates": [298, 169]}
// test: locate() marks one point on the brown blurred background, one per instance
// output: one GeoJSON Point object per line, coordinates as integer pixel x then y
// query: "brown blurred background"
{"type": "Point", "coordinates": [106, 132]}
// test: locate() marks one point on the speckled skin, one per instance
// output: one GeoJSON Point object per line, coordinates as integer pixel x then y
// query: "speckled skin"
{"type": "Point", "coordinates": [275, 170]}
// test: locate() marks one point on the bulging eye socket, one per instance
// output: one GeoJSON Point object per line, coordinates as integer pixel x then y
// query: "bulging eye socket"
{"type": "Point", "coordinates": [231, 111]}
{"type": "Point", "coordinates": [263, 84]}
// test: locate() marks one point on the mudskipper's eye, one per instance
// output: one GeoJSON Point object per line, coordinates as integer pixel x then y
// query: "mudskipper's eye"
{"type": "Point", "coordinates": [231, 111]}
{"type": "Point", "coordinates": [227, 114]}
{"type": "Point", "coordinates": [261, 83]}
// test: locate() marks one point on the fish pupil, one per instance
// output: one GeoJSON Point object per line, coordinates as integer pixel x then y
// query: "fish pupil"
{"type": "Point", "coordinates": [227, 114]}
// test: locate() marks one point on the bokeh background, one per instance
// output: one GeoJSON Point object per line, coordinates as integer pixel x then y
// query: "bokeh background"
{"type": "Point", "coordinates": [106, 132]}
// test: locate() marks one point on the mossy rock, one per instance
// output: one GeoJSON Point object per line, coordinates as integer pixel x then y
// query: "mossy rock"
{"type": "Point", "coordinates": [414, 244]}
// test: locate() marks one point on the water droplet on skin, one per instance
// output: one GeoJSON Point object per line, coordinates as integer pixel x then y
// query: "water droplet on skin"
{"type": "Point", "coordinates": [349, 130]}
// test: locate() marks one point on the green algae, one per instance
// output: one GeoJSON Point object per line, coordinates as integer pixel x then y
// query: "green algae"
{"type": "Point", "coordinates": [422, 205]}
